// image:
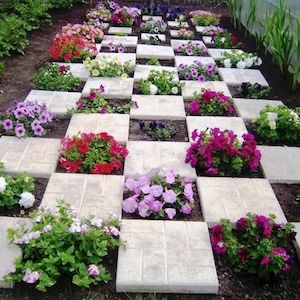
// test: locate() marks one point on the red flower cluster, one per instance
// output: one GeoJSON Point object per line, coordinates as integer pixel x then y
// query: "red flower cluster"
{"type": "Point", "coordinates": [70, 48]}
{"type": "Point", "coordinates": [91, 153]}
{"type": "Point", "coordinates": [217, 239]}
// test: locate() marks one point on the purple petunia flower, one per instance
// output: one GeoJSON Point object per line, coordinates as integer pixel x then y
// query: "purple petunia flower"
{"type": "Point", "coordinates": [38, 130]}
{"type": "Point", "coordinates": [156, 206]}
{"type": "Point", "coordinates": [189, 51]}
{"type": "Point", "coordinates": [171, 212]}
{"type": "Point", "coordinates": [130, 204]}
{"type": "Point", "coordinates": [187, 76]}
{"type": "Point", "coordinates": [169, 177]}
{"type": "Point", "coordinates": [156, 190]}
{"type": "Point", "coordinates": [182, 67]}
{"type": "Point", "coordinates": [169, 196]}
{"type": "Point", "coordinates": [93, 270]}
{"type": "Point", "coordinates": [7, 124]}
{"type": "Point", "coordinates": [121, 50]}
{"type": "Point", "coordinates": [201, 78]}
{"type": "Point", "coordinates": [20, 130]}
{"type": "Point", "coordinates": [194, 73]}
{"type": "Point", "coordinates": [186, 209]}
{"type": "Point", "coordinates": [18, 113]}
{"type": "Point", "coordinates": [188, 192]}
{"type": "Point", "coordinates": [210, 67]}
{"type": "Point", "coordinates": [31, 276]}
{"type": "Point", "coordinates": [144, 209]}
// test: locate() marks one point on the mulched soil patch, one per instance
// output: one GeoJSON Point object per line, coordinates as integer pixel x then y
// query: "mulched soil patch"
{"type": "Point", "coordinates": [58, 128]}
{"type": "Point", "coordinates": [196, 214]}
{"type": "Point", "coordinates": [262, 142]}
{"type": "Point", "coordinates": [40, 185]}
{"type": "Point", "coordinates": [287, 195]}
{"type": "Point", "coordinates": [127, 50]}
{"type": "Point", "coordinates": [164, 63]}
{"type": "Point", "coordinates": [137, 134]}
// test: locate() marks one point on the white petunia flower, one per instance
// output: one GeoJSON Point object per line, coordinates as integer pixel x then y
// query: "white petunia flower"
{"type": "Point", "coordinates": [27, 199]}
{"type": "Point", "coordinates": [249, 62]}
{"type": "Point", "coordinates": [3, 184]}
{"type": "Point", "coordinates": [241, 65]}
{"type": "Point", "coordinates": [272, 125]}
{"type": "Point", "coordinates": [227, 63]}
{"type": "Point", "coordinates": [174, 90]}
{"type": "Point", "coordinates": [258, 61]}
{"type": "Point", "coordinates": [223, 40]}
{"type": "Point", "coordinates": [153, 89]}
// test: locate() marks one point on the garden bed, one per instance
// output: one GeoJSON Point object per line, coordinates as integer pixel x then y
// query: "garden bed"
{"type": "Point", "coordinates": [164, 63]}
{"type": "Point", "coordinates": [58, 128]}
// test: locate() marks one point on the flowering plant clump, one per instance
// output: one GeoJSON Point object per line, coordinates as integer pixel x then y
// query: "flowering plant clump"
{"type": "Point", "coordinates": [185, 34]}
{"type": "Point", "coordinates": [116, 47]}
{"type": "Point", "coordinates": [86, 31]}
{"type": "Point", "coordinates": [25, 119]}
{"type": "Point", "coordinates": [277, 124]}
{"type": "Point", "coordinates": [197, 71]}
{"type": "Point", "coordinates": [154, 8]}
{"type": "Point", "coordinates": [16, 190]}
{"type": "Point", "coordinates": [101, 14]}
{"type": "Point", "coordinates": [158, 195]}
{"type": "Point", "coordinates": [211, 103]}
{"type": "Point", "coordinates": [91, 153]}
{"type": "Point", "coordinates": [53, 77]}
{"type": "Point", "coordinates": [217, 152]}
{"type": "Point", "coordinates": [95, 103]}
{"type": "Point", "coordinates": [160, 83]}
{"type": "Point", "coordinates": [240, 59]}
{"type": "Point", "coordinates": [125, 16]}
{"type": "Point", "coordinates": [204, 18]}
{"type": "Point", "coordinates": [109, 67]}
{"type": "Point", "coordinates": [225, 40]}
{"type": "Point", "coordinates": [212, 30]}
{"type": "Point", "coordinates": [109, 4]}
{"type": "Point", "coordinates": [69, 48]}
{"type": "Point", "coordinates": [158, 130]}
{"type": "Point", "coordinates": [60, 243]}
{"type": "Point", "coordinates": [154, 40]}
{"type": "Point", "coordinates": [253, 91]}
{"type": "Point", "coordinates": [154, 26]}
{"type": "Point", "coordinates": [257, 244]}
{"type": "Point", "coordinates": [191, 49]}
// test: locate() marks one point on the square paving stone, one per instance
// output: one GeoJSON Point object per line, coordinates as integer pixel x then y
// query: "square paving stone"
{"type": "Point", "coordinates": [143, 71]}
{"type": "Point", "coordinates": [120, 30]}
{"type": "Point", "coordinates": [297, 241]}
{"type": "Point", "coordinates": [150, 51]}
{"type": "Point", "coordinates": [176, 43]}
{"type": "Point", "coordinates": [158, 107]}
{"type": "Point", "coordinates": [57, 102]}
{"type": "Point", "coordinates": [178, 24]}
{"type": "Point", "coordinates": [189, 60]}
{"type": "Point", "coordinates": [123, 57]}
{"type": "Point", "coordinates": [78, 70]}
{"type": "Point", "coordinates": [147, 36]}
{"type": "Point", "coordinates": [126, 41]}
{"type": "Point", "coordinates": [207, 40]}
{"type": "Point", "coordinates": [249, 109]}
{"type": "Point", "coordinates": [97, 195]}
{"type": "Point", "coordinates": [233, 198]}
{"type": "Point", "coordinates": [36, 156]}
{"type": "Point", "coordinates": [147, 18]}
{"type": "Point", "coordinates": [281, 164]}
{"type": "Point", "coordinates": [114, 87]}
{"type": "Point", "coordinates": [236, 77]}
{"type": "Point", "coordinates": [116, 125]}
{"type": "Point", "coordinates": [190, 87]}
{"type": "Point", "coordinates": [9, 252]}
{"type": "Point", "coordinates": [223, 123]}
{"type": "Point", "coordinates": [216, 54]}
{"type": "Point", "coordinates": [167, 257]}
{"type": "Point", "coordinates": [144, 156]}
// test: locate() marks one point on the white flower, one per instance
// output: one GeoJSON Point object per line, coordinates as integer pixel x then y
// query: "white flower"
{"type": "Point", "coordinates": [272, 125]}
{"type": "Point", "coordinates": [241, 65]}
{"type": "Point", "coordinates": [294, 115]}
{"type": "Point", "coordinates": [258, 61]}
{"type": "Point", "coordinates": [37, 219]}
{"type": "Point", "coordinates": [249, 62]}
{"type": "Point", "coordinates": [272, 117]}
{"type": "Point", "coordinates": [27, 200]}
{"type": "Point", "coordinates": [3, 184]}
{"type": "Point", "coordinates": [156, 29]}
{"type": "Point", "coordinates": [47, 228]}
{"type": "Point", "coordinates": [96, 222]}
{"type": "Point", "coordinates": [227, 63]}
{"type": "Point", "coordinates": [174, 90]}
{"type": "Point", "coordinates": [153, 89]}
{"type": "Point", "coordinates": [223, 40]}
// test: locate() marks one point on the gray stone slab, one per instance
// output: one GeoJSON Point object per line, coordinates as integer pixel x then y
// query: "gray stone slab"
{"type": "Point", "coordinates": [77, 69]}
{"type": "Point", "coordinates": [114, 87]}
{"type": "Point", "coordinates": [233, 198]}
{"type": "Point", "coordinates": [36, 156]}
{"type": "Point", "coordinates": [9, 252]}
{"type": "Point", "coordinates": [143, 71]}
{"type": "Point", "coordinates": [150, 51]}
{"type": "Point", "coordinates": [147, 36]}
{"type": "Point", "coordinates": [176, 43]}
{"type": "Point", "coordinates": [297, 241]}
{"type": "Point", "coordinates": [223, 123]}
{"type": "Point", "coordinates": [249, 109]}
{"type": "Point", "coordinates": [147, 18]}
{"type": "Point", "coordinates": [116, 125]}
{"type": "Point", "coordinates": [178, 24]}
{"type": "Point", "coordinates": [158, 107]}
{"type": "Point", "coordinates": [166, 256]}
{"type": "Point", "coordinates": [189, 60]}
{"type": "Point", "coordinates": [190, 87]}
{"type": "Point", "coordinates": [122, 57]}
{"type": "Point", "coordinates": [236, 77]}
{"type": "Point", "coordinates": [120, 30]}
{"type": "Point", "coordinates": [217, 54]}
{"type": "Point", "coordinates": [281, 164]}
{"type": "Point", "coordinates": [126, 41]}
{"type": "Point", "coordinates": [97, 195]}
{"type": "Point", "coordinates": [202, 29]}
{"type": "Point", "coordinates": [144, 156]}
{"type": "Point", "coordinates": [207, 40]}
{"type": "Point", "coordinates": [57, 102]}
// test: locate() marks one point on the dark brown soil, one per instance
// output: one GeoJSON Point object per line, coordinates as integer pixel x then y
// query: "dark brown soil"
{"type": "Point", "coordinates": [234, 91]}
{"type": "Point", "coordinates": [196, 214]}
{"type": "Point", "coordinates": [138, 134]}
{"type": "Point", "coordinates": [40, 185]}
{"type": "Point", "coordinates": [165, 63]}
{"type": "Point", "coordinates": [58, 128]}
{"type": "Point", "coordinates": [287, 195]}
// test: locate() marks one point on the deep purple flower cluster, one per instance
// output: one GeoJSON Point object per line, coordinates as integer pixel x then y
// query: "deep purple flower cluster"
{"type": "Point", "coordinates": [25, 119]}
{"type": "Point", "coordinates": [198, 71]}
{"type": "Point", "coordinates": [217, 152]}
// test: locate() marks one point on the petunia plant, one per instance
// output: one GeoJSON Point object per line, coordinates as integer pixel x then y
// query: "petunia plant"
{"type": "Point", "coordinates": [58, 243]}
{"type": "Point", "coordinates": [204, 18]}
{"type": "Point", "coordinates": [256, 244]}
{"type": "Point", "coordinates": [159, 195]}
{"type": "Point", "coordinates": [158, 130]}
{"type": "Point", "coordinates": [253, 91]}
{"type": "Point", "coordinates": [225, 40]}
{"type": "Point", "coordinates": [102, 14]}
{"type": "Point", "coordinates": [198, 71]}
{"type": "Point", "coordinates": [125, 16]}
{"type": "Point", "coordinates": [240, 59]}
{"type": "Point", "coordinates": [191, 49]}
{"type": "Point", "coordinates": [185, 34]}
{"type": "Point", "coordinates": [154, 26]}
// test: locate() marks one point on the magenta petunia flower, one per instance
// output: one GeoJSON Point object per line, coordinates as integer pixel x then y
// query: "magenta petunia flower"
{"type": "Point", "coordinates": [194, 107]}
{"type": "Point", "coordinates": [265, 261]}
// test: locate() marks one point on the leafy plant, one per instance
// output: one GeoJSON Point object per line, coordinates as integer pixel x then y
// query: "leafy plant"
{"type": "Point", "coordinates": [253, 91]}
{"type": "Point", "coordinates": [240, 59]}
{"type": "Point", "coordinates": [258, 245]}
{"type": "Point", "coordinates": [159, 195]}
{"type": "Point", "coordinates": [186, 34]}
{"type": "Point", "coordinates": [153, 62]}
{"type": "Point", "coordinates": [225, 40]}
{"type": "Point", "coordinates": [197, 71]}
{"type": "Point", "coordinates": [158, 130]}
{"type": "Point", "coordinates": [55, 77]}
{"type": "Point", "coordinates": [154, 40]}
{"type": "Point", "coordinates": [154, 26]}
{"type": "Point", "coordinates": [2, 70]}
{"type": "Point", "coordinates": [277, 124]}
{"type": "Point", "coordinates": [204, 18]}
{"type": "Point", "coordinates": [60, 243]}
{"type": "Point", "coordinates": [102, 14]}
{"type": "Point", "coordinates": [250, 17]}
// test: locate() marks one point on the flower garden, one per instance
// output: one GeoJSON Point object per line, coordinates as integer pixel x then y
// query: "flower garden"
{"type": "Point", "coordinates": [151, 156]}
